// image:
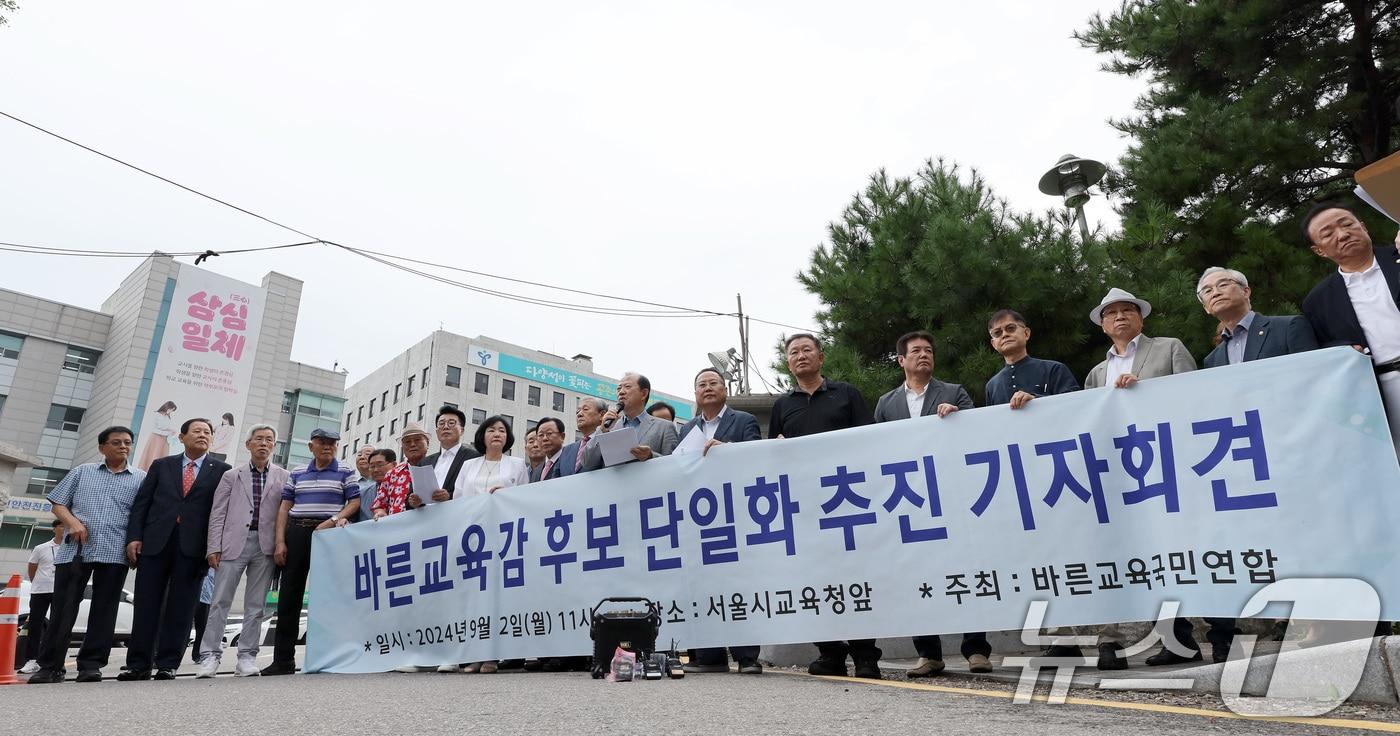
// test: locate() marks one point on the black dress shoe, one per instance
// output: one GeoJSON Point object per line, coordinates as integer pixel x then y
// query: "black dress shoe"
{"type": "Point", "coordinates": [750, 667]}
{"type": "Point", "coordinates": [869, 670]}
{"type": "Point", "coordinates": [165, 674]}
{"type": "Point", "coordinates": [44, 677]}
{"type": "Point", "coordinates": [1219, 655]}
{"type": "Point", "coordinates": [1110, 657]}
{"type": "Point", "coordinates": [533, 665]}
{"type": "Point", "coordinates": [278, 668]}
{"type": "Point", "coordinates": [1061, 650]}
{"type": "Point", "coordinates": [89, 676]}
{"type": "Point", "coordinates": [827, 667]}
{"type": "Point", "coordinates": [1167, 656]}
{"type": "Point", "coordinates": [554, 664]}
{"type": "Point", "coordinates": [134, 675]}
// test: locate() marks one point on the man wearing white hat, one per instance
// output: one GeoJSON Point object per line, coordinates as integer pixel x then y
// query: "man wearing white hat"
{"type": "Point", "coordinates": [1134, 356]}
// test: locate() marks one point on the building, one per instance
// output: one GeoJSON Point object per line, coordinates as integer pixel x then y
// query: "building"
{"type": "Point", "coordinates": [67, 372]}
{"type": "Point", "coordinates": [481, 376]}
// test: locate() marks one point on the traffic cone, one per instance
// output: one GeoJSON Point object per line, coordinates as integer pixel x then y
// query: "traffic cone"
{"type": "Point", "coordinates": [9, 631]}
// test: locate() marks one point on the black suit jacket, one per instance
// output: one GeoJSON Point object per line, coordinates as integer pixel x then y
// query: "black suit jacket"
{"type": "Point", "coordinates": [1268, 337]}
{"type": "Point", "coordinates": [464, 453]}
{"type": "Point", "coordinates": [1328, 306]}
{"type": "Point", "coordinates": [160, 502]}
{"type": "Point", "coordinates": [734, 426]}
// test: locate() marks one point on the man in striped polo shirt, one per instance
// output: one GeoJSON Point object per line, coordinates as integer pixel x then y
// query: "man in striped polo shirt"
{"type": "Point", "coordinates": [322, 495]}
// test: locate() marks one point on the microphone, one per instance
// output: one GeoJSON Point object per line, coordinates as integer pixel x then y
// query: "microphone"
{"type": "Point", "coordinates": [607, 423]}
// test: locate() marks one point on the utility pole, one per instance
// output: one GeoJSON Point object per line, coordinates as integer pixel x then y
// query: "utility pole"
{"type": "Point", "coordinates": [743, 345]}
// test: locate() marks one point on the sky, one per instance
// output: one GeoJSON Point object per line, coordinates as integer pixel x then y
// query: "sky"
{"type": "Point", "coordinates": [679, 152]}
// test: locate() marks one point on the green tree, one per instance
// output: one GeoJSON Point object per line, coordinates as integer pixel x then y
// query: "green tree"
{"type": "Point", "coordinates": [1255, 109]}
{"type": "Point", "coordinates": [7, 6]}
{"type": "Point", "coordinates": [940, 251]}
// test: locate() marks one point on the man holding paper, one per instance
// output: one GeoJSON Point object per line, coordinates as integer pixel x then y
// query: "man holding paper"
{"type": "Point", "coordinates": [631, 434]}
{"type": "Point", "coordinates": [396, 491]}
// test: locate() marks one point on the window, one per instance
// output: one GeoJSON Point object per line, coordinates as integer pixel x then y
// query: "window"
{"type": "Point", "coordinates": [478, 416]}
{"type": "Point", "coordinates": [344, 450]}
{"type": "Point", "coordinates": [360, 414]}
{"type": "Point", "coordinates": [531, 424]}
{"type": "Point", "coordinates": [454, 376]}
{"type": "Point", "coordinates": [2, 402]}
{"type": "Point", "coordinates": [509, 420]}
{"type": "Point", "coordinates": [393, 427]}
{"type": "Point", "coordinates": [81, 360]}
{"type": "Point", "coordinates": [348, 417]}
{"type": "Point", "coordinates": [449, 403]}
{"type": "Point", "coordinates": [287, 399]}
{"type": "Point", "coordinates": [483, 383]}
{"type": "Point", "coordinates": [397, 386]}
{"type": "Point", "coordinates": [380, 436]}
{"type": "Point", "coordinates": [10, 345]}
{"type": "Point", "coordinates": [369, 437]}
{"type": "Point", "coordinates": [410, 386]}
{"type": "Point", "coordinates": [558, 402]}
{"type": "Point", "coordinates": [425, 377]}
{"type": "Point", "coordinates": [43, 480]}
{"type": "Point", "coordinates": [64, 418]}
{"type": "Point", "coordinates": [507, 389]}
{"type": "Point", "coordinates": [421, 409]}
{"type": "Point", "coordinates": [407, 417]}
{"type": "Point", "coordinates": [280, 453]}
{"type": "Point", "coordinates": [534, 396]}
{"type": "Point", "coordinates": [357, 445]}
{"type": "Point", "coordinates": [384, 401]}
{"type": "Point", "coordinates": [371, 407]}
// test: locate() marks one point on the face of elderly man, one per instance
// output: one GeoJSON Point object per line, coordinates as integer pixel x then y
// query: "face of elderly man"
{"type": "Point", "coordinates": [1339, 237]}
{"type": "Point", "coordinates": [1122, 321]}
{"type": "Point", "coordinates": [1222, 295]}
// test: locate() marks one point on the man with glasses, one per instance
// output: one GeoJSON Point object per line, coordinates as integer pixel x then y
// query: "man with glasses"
{"type": "Point", "coordinates": [447, 461]}
{"type": "Point", "coordinates": [1244, 335]}
{"type": "Point", "coordinates": [1022, 378]}
{"type": "Point", "coordinates": [655, 437]}
{"type": "Point", "coordinates": [93, 501]}
{"type": "Point", "coordinates": [379, 462]}
{"type": "Point", "coordinates": [549, 434]}
{"type": "Point", "coordinates": [242, 539]}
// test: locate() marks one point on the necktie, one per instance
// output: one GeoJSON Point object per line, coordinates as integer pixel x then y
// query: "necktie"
{"type": "Point", "coordinates": [188, 482]}
{"type": "Point", "coordinates": [548, 465]}
{"type": "Point", "coordinates": [578, 461]}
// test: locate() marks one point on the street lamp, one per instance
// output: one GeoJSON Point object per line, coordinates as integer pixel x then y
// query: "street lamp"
{"type": "Point", "coordinates": [1071, 178]}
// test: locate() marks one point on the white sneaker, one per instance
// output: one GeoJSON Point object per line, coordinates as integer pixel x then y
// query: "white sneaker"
{"type": "Point", "coordinates": [247, 667]}
{"type": "Point", "coordinates": [449, 669]}
{"type": "Point", "coordinates": [208, 667]}
{"type": "Point", "coordinates": [29, 667]}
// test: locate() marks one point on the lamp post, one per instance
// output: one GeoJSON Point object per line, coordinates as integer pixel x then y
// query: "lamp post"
{"type": "Point", "coordinates": [1071, 178]}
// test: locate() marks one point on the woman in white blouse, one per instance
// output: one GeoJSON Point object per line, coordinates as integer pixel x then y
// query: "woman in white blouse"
{"type": "Point", "coordinates": [489, 473]}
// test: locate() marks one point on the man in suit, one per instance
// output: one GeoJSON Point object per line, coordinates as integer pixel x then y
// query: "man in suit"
{"type": "Point", "coordinates": [447, 461]}
{"type": "Point", "coordinates": [242, 539]}
{"type": "Point", "coordinates": [719, 425]}
{"type": "Point", "coordinates": [654, 436]}
{"type": "Point", "coordinates": [549, 433]}
{"type": "Point", "coordinates": [587, 418]}
{"type": "Point", "coordinates": [1356, 305]}
{"type": "Point", "coordinates": [166, 537]}
{"type": "Point", "coordinates": [923, 395]}
{"type": "Point", "coordinates": [1245, 335]}
{"type": "Point", "coordinates": [1134, 356]}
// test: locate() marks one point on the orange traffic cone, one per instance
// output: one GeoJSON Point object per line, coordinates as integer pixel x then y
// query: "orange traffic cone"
{"type": "Point", "coordinates": [9, 631]}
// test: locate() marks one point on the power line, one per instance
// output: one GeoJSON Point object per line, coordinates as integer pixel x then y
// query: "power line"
{"type": "Point", "coordinates": [44, 250]}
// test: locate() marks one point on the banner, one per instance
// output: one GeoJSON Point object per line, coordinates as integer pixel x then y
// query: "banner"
{"type": "Point", "coordinates": [1200, 488]}
{"type": "Point", "coordinates": [205, 364]}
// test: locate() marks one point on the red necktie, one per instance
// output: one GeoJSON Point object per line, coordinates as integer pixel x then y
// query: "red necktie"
{"type": "Point", "coordinates": [548, 465]}
{"type": "Point", "coordinates": [188, 482]}
{"type": "Point", "coordinates": [578, 461]}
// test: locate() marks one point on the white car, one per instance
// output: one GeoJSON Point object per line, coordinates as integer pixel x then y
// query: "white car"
{"type": "Point", "coordinates": [234, 629]}
{"type": "Point", "coordinates": [120, 633]}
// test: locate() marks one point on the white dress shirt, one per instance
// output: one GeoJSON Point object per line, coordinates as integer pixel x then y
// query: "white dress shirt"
{"type": "Point", "coordinates": [1376, 310]}
{"type": "Point", "coordinates": [444, 464]}
{"type": "Point", "coordinates": [915, 399]}
{"type": "Point", "coordinates": [1120, 364]}
{"type": "Point", "coordinates": [709, 427]}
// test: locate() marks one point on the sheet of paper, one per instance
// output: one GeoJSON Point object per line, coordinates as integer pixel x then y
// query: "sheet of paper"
{"type": "Point", "coordinates": [1368, 199]}
{"type": "Point", "coordinates": [424, 481]}
{"type": "Point", "coordinates": [692, 443]}
{"type": "Point", "coordinates": [616, 446]}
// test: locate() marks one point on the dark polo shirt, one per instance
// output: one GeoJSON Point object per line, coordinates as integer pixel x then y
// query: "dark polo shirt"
{"type": "Point", "coordinates": [834, 405]}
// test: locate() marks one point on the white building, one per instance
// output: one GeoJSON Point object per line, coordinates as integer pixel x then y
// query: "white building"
{"type": "Point", "coordinates": [481, 376]}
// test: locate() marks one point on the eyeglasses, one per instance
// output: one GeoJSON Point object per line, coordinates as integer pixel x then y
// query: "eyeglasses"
{"type": "Point", "coordinates": [1009, 329]}
{"type": "Point", "coordinates": [1220, 285]}
{"type": "Point", "coordinates": [448, 423]}
{"type": "Point", "coordinates": [119, 443]}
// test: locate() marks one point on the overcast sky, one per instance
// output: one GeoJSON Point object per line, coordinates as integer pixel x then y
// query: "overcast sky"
{"type": "Point", "coordinates": [681, 152]}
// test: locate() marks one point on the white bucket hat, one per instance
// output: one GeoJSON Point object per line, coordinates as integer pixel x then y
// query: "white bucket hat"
{"type": "Point", "coordinates": [1114, 296]}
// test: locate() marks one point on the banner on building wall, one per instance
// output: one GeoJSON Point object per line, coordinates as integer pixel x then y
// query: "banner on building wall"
{"type": "Point", "coordinates": [512, 365]}
{"type": "Point", "coordinates": [205, 364]}
{"type": "Point", "coordinates": [1104, 503]}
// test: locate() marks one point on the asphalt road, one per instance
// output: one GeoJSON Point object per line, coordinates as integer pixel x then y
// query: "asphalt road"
{"type": "Point", "coordinates": [777, 702]}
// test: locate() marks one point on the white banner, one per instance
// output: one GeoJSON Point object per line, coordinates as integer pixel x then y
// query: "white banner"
{"type": "Point", "coordinates": [205, 364]}
{"type": "Point", "coordinates": [1103, 503]}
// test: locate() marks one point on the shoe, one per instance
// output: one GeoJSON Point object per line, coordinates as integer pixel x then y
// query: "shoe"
{"type": "Point", "coordinates": [554, 664]}
{"type": "Point", "coordinates": [1061, 650]}
{"type": "Point", "coordinates": [88, 676]}
{"type": "Point", "coordinates": [44, 677]}
{"type": "Point", "coordinates": [533, 665]}
{"type": "Point", "coordinates": [410, 669]}
{"type": "Point", "coordinates": [869, 670]}
{"type": "Point", "coordinates": [472, 668]}
{"type": "Point", "coordinates": [247, 667]}
{"type": "Point", "coordinates": [1110, 657]}
{"type": "Point", "coordinates": [29, 668]}
{"type": "Point", "coordinates": [750, 667]}
{"type": "Point", "coordinates": [827, 667]}
{"type": "Point", "coordinates": [278, 668]}
{"type": "Point", "coordinates": [1167, 656]}
{"type": "Point", "coordinates": [134, 675]}
{"type": "Point", "coordinates": [979, 663]}
{"type": "Point", "coordinates": [489, 668]}
{"type": "Point", "coordinates": [925, 668]}
{"type": "Point", "coordinates": [449, 669]}
{"type": "Point", "coordinates": [693, 668]}
{"type": "Point", "coordinates": [1219, 655]}
{"type": "Point", "coordinates": [207, 668]}
{"type": "Point", "coordinates": [165, 674]}
{"type": "Point", "coordinates": [512, 664]}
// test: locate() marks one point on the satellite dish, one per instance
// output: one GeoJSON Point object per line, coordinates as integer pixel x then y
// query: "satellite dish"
{"type": "Point", "coordinates": [721, 362]}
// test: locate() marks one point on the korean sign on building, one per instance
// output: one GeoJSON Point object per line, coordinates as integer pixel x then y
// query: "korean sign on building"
{"type": "Point", "coordinates": [511, 365]}
{"type": "Point", "coordinates": [205, 364]}
{"type": "Point", "coordinates": [1102, 503]}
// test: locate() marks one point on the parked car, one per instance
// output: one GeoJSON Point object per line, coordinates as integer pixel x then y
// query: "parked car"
{"type": "Point", "coordinates": [120, 633]}
{"type": "Point", "coordinates": [234, 629]}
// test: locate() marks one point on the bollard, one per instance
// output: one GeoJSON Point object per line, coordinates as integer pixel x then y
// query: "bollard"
{"type": "Point", "coordinates": [9, 631]}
